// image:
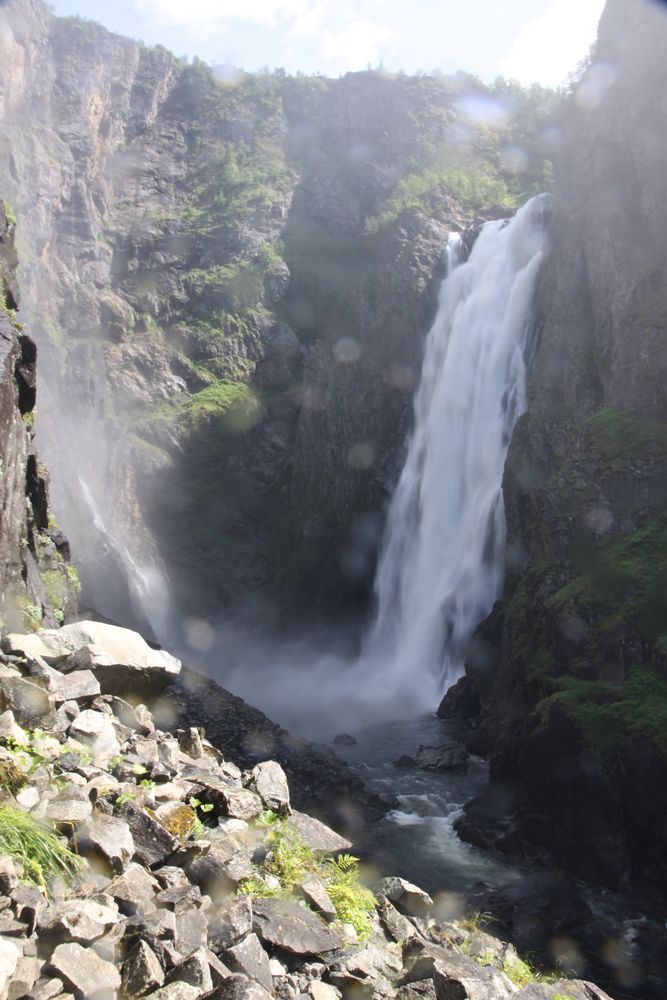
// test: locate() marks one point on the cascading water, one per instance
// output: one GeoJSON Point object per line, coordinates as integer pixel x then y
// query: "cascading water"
{"type": "Point", "coordinates": [442, 562]}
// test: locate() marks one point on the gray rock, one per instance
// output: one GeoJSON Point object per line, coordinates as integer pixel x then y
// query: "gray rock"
{"type": "Point", "coordinates": [176, 991]}
{"type": "Point", "coordinates": [451, 758]}
{"type": "Point", "coordinates": [142, 971]}
{"type": "Point", "coordinates": [249, 958]}
{"type": "Point", "coordinates": [317, 990]}
{"type": "Point", "coordinates": [291, 927]}
{"type": "Point", "coordinates": [316, 897]}
{"type": "Point", "coordinates": [10, 956]}
{"type": "Point", "coordinates": [9, 878]}
{"type": "Point", "coordinates": [32, 706]}
{"type": "Point", "coordinates": [229, 921]}
{"type": "Point", "coordinates": [70, 806]}
{"type": "Point", "coordinates": [81, 920]}
{"type": "Point", "coordinates": [152, 843]}
{"type": "Point", "coordinates": [195, 971]}
{"type": "Point", "coordinates": [270, 783]}
{"type": "Point", "coordinates": [81, 686]}
{"type": "Point", "coordinates": [134, 890]}
{"type": "Point", "coordinates": [459, 978]}
{"type": "Point", "coordinates": [241, 803]}
{"type": "Point", "coordinates": [191, 932]}
{"type": "Point", "coordinates": [406, 897]}
{"type": "Point", "coordinates": [95, 731]}
{"type": "Point", "coordinates": [239, 988]}
{"type": "Point", "coordinates": [87, 974]}
{"type": "Point", "coordinates": [46, 989]}
{"type": "Point", "coordinates": [170, 877]}
{"type": "Point", "coordinates": [320, 838]}
{"type": "Point", "coordinates": [108, 837]}
{"type": "Point", "coordinates": [218, 969]}
{"type": "Point", "coordinates": [398, 926]}
{"type": "Point", "coordinates": [10, 729]}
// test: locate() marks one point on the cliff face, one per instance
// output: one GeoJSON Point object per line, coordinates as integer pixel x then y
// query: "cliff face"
{"type": "Point", "coordinates": [37, 584]}
{"type": "Point", "coordinates": [572, 665]}
{"type": "Point", "coordinates": [230, 281]}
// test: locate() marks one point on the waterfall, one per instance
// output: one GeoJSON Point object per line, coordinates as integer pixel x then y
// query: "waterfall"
{"type": "Point", "coordinates": [442, 561]}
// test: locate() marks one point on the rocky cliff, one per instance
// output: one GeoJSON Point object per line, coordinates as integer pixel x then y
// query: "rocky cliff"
{"type": "Point", "coordinates": [230, 281]}
{"type": "Point", "coordinates": [572, 667]}
{"type": "Point", "coordinates": [37, 583]}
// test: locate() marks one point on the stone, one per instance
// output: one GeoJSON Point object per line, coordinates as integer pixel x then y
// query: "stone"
{"type": "Point", "coordinates": [270, 783]}
{"type": "Point", "coordinates": [108, 837]}
{"type": "Point", "coordinates": [316, 897]}
{"type": "Point", "coordinates": [218, 969]}
{"type": "Point", "coordinates": [344, 740]}
{"type": "Point", "coordinates": [10, 956]}
{"type": "Point", "coordinates": [241, 803]}
{"type": "Point", "coordinates": [95, 731]}
{"type": "Point", "coordinates": [239, 987]}
{"type": "Point", "coordinates": [176, 991]}
{"type": "Point", "coordinates": [320, 838]}
{"type": "Point", "coordinates": [448, 758]}
{"type": "Point", "coordinates": [459, 978]}
{"type": "Point", "coordinates": [87, 974]}
{"type": "Point", "coordinates": [81, 686]}
{"type": "Point", "coordinates": [248, 957]}
{"type": "Point", "coordinates": [10, 729]}
{"type": "Point", "coordinates": [191, 931]}
{"type": "Point", "coordinates": [408, 899]}
{"type": "Point", "coordinates": [142, 971]}
{"type": "Point", "coordinates": [68, 807]}
{"type": "Point", "coordinates": [289, 926]}
{"type": "Point", "coordinates": [134, 890]}
{"type": "Point", "coordinates": [31, 705]}
{"type": "Point", "coordinates": [9, 878]}
{"type": "Point", "coordinates": [46, 989]}
{"type": "Point", "coordinates": [404, 762]}
{"type": "Point", "coordinates": [170, 877]}
{"type": "Point", "coordinates": [318, 990]}
{"type": "Point", "coordinates": [152, 843]}
{"type": "Point", "coordinates": [228, 922]}
{"type": "Point", "coordinates": [28, 797]}
{"type": "Point", "coordinates": [81, 920]}
{"type": "Point", "coordinates": [398, 926]}
{"type": "Point", "coordinates": [195, 971]}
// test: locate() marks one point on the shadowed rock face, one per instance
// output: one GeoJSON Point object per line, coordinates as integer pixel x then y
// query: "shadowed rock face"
{"type": "Point", "coordinates": [571, 665]}
{"type": "Point", "coordinates": [150, 274]}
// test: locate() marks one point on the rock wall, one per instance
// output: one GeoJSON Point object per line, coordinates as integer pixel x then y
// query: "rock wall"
{"type": "Point", "coordinates": [231, 289]}
{"type": "Point", "coordinates": [37, 584]}
{"type": "Point", "coordinates": [572, 666]}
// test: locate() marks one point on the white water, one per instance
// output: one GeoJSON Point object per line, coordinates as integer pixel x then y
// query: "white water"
{"type": "Point", "coordinates": [442, 563]}
{"type": "Point", "coordinates": [442, 560]}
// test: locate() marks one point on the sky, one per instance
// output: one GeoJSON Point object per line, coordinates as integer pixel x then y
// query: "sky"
{"type": "Point", "coordinates": [529, 40]}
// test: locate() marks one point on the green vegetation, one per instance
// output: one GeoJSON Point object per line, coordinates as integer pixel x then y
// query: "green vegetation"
{"type": "Point", "coordinates": [31, 614]}
{"type": "Point", "coordinates": [41, 854]}
{"type": "Point", "coordinates": [522, 973]}
{"type": "Point", "coordinates": [290, 862]}
{"type": "Point", "coordinates": [10, 215]}
{"type": "Point", "coordinates": [625, 437]}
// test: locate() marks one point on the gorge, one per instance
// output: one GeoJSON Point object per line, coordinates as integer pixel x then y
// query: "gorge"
{"type": "Point", "coordinates": [263, 460]}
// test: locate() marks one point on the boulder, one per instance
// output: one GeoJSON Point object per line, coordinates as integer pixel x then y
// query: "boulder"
{"type": "Point", "coordinates": [81, 920]}
{"type": "Point", "coordinates": [10, 955]}
{"type": "Point", "coordinates": [95, 731]}
{"type": "Point", "coordinates": [408, 899]}
{"type": "Point", "coordinates": [449, 758]}
{"type": "Point", "coordinates": [230, 921]}
{"type": "Point", "coordinates": [120, 659]}
{"type": "Point", "coordinates": [292, 928]}
{"type": "Point", "coordinates": [270, 783]}
{"type": "Point", "coordinates": [241, 803]}
{"type": "Point", "coordinates": [152, 843]}
{"type": "Point", "coordinates": [84, 972]}
{"type": "Point", "coordinates": [108, 837]}
{"type": "Point", "coordinates": [195, 971]}
{"type": "Point", "coordinates": [320, 838]}
{"type": "Point", "coordinates": [239, 988]}
{"type": "Point", "coordinates": [142, 971]}
{"type": "Point", "coordinates": [315, 896]}
{"type": "Point", "coordinates": [30, 703]}
{"type": "Point", "coordinates": [459, 978]}
{"type": "Point", "coordinates": [248, 957]}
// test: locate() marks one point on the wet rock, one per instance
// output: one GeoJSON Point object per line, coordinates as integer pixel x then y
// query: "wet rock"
{"type": "Point", "coordinates": [344, 740]}
{"type": "Point", "coordinates": [142, 971]}
{"type": "Point", "coordinates": [271, 785]}
{"type": "Point", "coordinates": [84, 972]}
{"type": "Point", "coordinates": [450, 758]}
{"type": "Point", "coordinates": [404, 762]}
{"type": "Point", "coordinates": [408, 899]}
{"type": "Point", "coordinates": [320, 838]}
{"type": "Point", "coordinates": [229, 921]}
{"type": "Point", "coordinates": [290, 927]}
{"type": "Point", "coordinates": [248, 957]}
{"type": "Point", "coordinates": [538, 907]}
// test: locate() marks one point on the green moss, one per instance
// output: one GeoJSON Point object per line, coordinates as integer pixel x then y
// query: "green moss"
{"type": "Point", "coordinates": [608, 714]}
{"type": "Point", "coordinates": [622, 437]}
{"type": "Point", "coordinates": [233, 406]}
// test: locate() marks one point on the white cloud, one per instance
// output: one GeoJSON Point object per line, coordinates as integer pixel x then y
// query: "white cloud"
{"type": "Point", "coordinates": [550, 47]}
{"type": "Point", "coordinates": [356, 45]}
{"type": "Point", "coordinates": [199, 18]}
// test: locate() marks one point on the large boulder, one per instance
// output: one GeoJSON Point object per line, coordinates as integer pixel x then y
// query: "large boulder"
{"type": "Point", "coordinates": [121, 660]}
{"type": "Point", "coordinates": [292, 928]}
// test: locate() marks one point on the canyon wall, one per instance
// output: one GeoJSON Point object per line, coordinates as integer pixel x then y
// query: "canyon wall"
{"type": "Point", "coordinates": [572, 665]}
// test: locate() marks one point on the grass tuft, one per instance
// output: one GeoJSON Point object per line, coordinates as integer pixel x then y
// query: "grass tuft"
{"type": "Point", "coordinates": [40, 852]}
